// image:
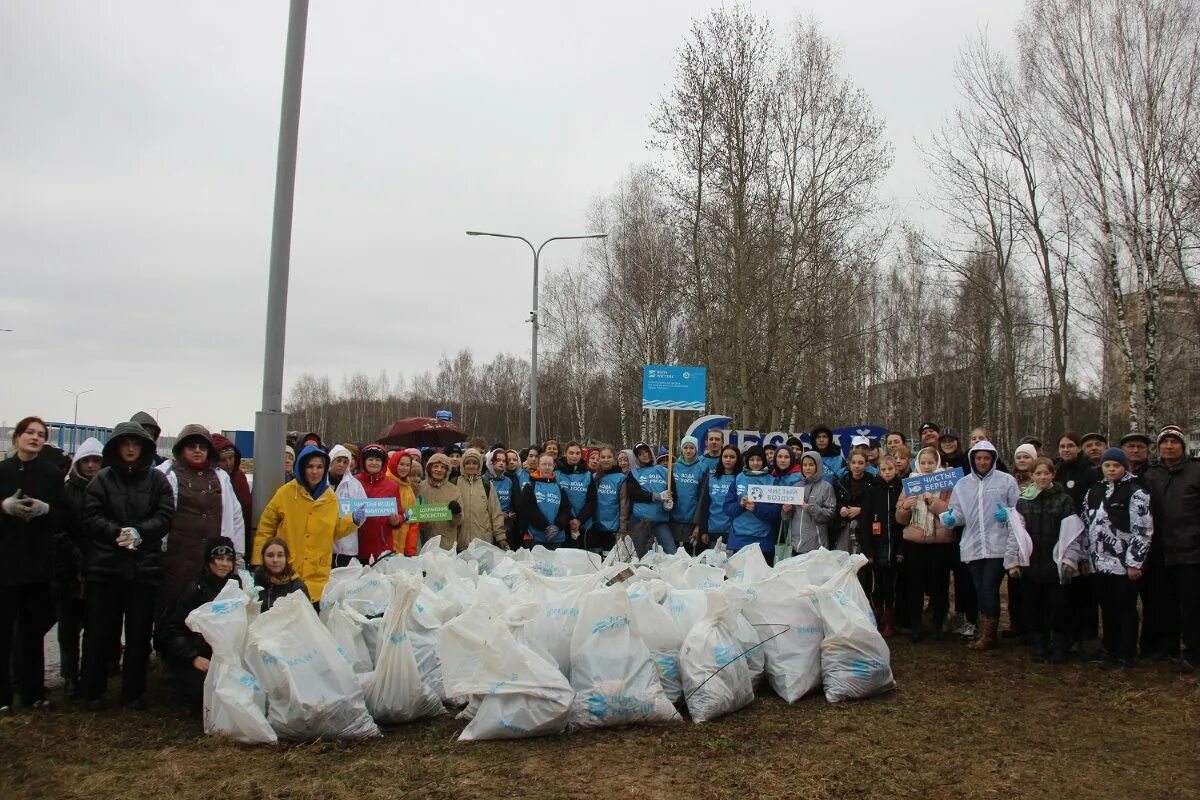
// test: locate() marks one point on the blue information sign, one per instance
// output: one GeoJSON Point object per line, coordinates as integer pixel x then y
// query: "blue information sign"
{"type": "Point", "coordinates": [939, 481]}
{"type": "Point", "coordinates": [674, 388]}
{"type": "Point", "coordinates": [375, 506]}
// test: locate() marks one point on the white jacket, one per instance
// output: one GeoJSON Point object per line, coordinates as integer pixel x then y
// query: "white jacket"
{"type": "Point", "coordinates": [974, 501]}
{"type": "Point", "coordinates": [232, 524]}
{"type": "Point", "coordinates": [348, 489]}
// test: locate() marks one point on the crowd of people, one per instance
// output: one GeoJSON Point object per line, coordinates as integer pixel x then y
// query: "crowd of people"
{"type": "Point", "coordinates": [118, 545]}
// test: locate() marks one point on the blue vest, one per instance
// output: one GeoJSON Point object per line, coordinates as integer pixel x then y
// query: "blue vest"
{"type": "Point", "coordinates": [608, 501]}
{"type": "Point", "coordinates": [747, 527]}
{"type": "Point", "coordinates": [718, 490]}
{"type": "Point", "coordinates": [654, 480]}
{"type": "Point", "coordinates": [523, 478]}
{"type": "Point", "coordinates": [710, 463]}
{"type": "Point", "coordinates": [505, 487]}
{"type": "Point", "coordinates": [686, 491]}
{"type": "Point", "coordinates": [791, 479]}
{"type": "Point", "coordinates": [549, 500]}
{"type": "Point", "coordinates": [576, 484]}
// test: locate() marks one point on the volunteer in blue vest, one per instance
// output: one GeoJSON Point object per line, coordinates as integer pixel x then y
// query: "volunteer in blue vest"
{"type": "Point", "coordinates": [711, 521]}
{"type": "Point", "coordinates": [714, 440]}
{"type": "Point", "coordinates": [507, 489]}
{"type": "Point", "coordinates": [576, 479]}
{"type": "Point", "coordinates": [545, 508]}
{"type": "Point", "coordinates": [752, 523]}
{"type": "Point", "coordinates": [612, 505]}
{"type": "Point", "coordinates": [687, 473]}
{"type": "Point", "coordinates": [652, 502]}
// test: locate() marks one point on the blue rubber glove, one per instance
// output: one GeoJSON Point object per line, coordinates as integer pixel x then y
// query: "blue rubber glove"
{"type": "Point", "coordinates": [948, 519]}
{"type": "Point", "coordinates": [1001, 514]}
{"type": "Point", "coordinates": [358, 516]}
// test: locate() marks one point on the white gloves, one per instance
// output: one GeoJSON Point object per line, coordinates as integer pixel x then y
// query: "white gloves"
{"type": "Point", "coordinates": [129, 538]}
{"type": "Point", "coordinates": [664, 496]}
{"type": "Point", "coordinates": [551, 531]}
{"type": "Point", "coordinates": [24, 508]}
{"type": "Point", "coordinates": [668, 503]}
{"type": "Point", "coordinates": [575, 533]}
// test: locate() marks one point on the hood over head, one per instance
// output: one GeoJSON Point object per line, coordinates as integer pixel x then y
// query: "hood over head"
{"type": "Point", "coordinates": [194, 431]}
{"type": "Point", "coordinates": [815, 457]}
{"type": "Point", "coordinates": [472, 453]}
{"type": "Point", "coordinates": [311, 435]}
{"type": "Point", "coordinates": [125, 430]}
{"type": "Point", "coordinates": [833, 449]}
{"type": "Point", "coordinates": [91, 447]}
{"type": "Point", "coordinates": [340, 451]}
{"type": "Point", "coordinates": [144, 419]}
{"type": "Point", "coordinates": [223, 443]}
{"type": "Point", "coordinates": [439, 458]}
{"type": "Point", "coordinates": [982, 446]}
{"type": "Point", "coordinates": [393, 460]}
{"type": "Point", "coordinates": [307, 454]}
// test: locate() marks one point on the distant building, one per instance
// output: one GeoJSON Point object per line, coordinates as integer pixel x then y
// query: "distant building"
{"type": "Point", "coordinates": [1178, 381]}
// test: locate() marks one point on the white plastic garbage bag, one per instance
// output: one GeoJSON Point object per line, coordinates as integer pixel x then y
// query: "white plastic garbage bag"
{"type": "Point", "coordinates": [614, 678]}
{"type": "Point", "coordinates": [515, 692]}
{"type": "Point", "coordinates": [701, 576]}
{"type": "Point", "coordinates": [716, 677]}
{"type": "Point", "coordinates": [812, 568]}
{"type": "Point", "coordinates": [748, 565]}
{"type": "Point", "coordinates": [855, 660]}
{"type": "Point", "coordinates": [686, 607]}
{"type": "Point", "coordinates": [753, 642]}
{"type": "Point", "coordinates": [787, 618]}
{"type": "Point", "coordinates": [234, 703]}
{"type": "Point", "coordinates": [1019, 546]}
{"type": "Point", "coordinates": [656, 628]}
{"type": "Point", "coordinates": [559, 600]}
{"type": "Point", "coordinates": [311, 690]}
{"type": "Point", "coordinates": [396, 692]}
{"type": "Point", "coordinates": [346, 626]}
{"type": "Point", "coordinates": [1068, 551]}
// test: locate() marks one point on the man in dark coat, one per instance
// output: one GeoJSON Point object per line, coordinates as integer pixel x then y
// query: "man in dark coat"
{"type": "Point", "coordinates": [1174, 484]}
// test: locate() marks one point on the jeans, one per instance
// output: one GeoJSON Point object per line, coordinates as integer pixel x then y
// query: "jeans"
{"type": "Point", "coordinates": [987, 574]}
{"type": "Point", "coordinates": [642, 532]}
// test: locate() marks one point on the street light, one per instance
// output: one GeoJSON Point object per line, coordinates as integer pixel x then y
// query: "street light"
{"type": "Point", "coordinates": [75, 421]}
{"type": "Point", "coordinates": [533, 315]}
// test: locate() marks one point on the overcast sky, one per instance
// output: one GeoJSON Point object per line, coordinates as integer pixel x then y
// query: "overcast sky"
{"type": "Point", "coordinates": [137, 152]}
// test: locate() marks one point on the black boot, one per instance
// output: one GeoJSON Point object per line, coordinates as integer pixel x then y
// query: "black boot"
{"type": "Point", "coordinates": [939, 627]}
{"type": "Point", "coordinates": [1058, 651]}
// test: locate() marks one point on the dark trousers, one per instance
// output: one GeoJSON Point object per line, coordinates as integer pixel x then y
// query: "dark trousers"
{"type": "Point", "coordinates": [597, 540]}
{"type": "Point", "coordinates": [71, 612]}
{"type": "Point", "coordinates": [902, 616]}
{"type": "Point", "coordinates": [108, 604]}
{"type": "Point", "coordinates": [965, 600]}
{"type": "Point", "coordinates": [1160, 606]}
{"type": "Point", "coordinates": [23, 613]}
{"type": "Point", "coordinates": [1185, 579]}
{"type": "Point", "coordinates": [1044, 608]}
{"type": "Point", "coordinates": [189, 683]}
{"type": "Point", "coordinates": [1081, 599]}
{"type": "Point", "coordinates": [927, 572]}
{"type": "Point", "coordinates": [1118, 609]}
{"type": "Point", "coordinates": [986, 574]}
{"type": "Point", "coordinates": [884, 595]}
{"type": "Point", "coordinates": [1016, 602]}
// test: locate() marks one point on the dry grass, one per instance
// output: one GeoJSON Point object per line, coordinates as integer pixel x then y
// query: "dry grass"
{"type": "Point", "coordinates": [960, 724]}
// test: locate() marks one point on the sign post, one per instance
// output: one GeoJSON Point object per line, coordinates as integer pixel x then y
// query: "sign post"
{"type": "Point", "coordinates": [670, 388]}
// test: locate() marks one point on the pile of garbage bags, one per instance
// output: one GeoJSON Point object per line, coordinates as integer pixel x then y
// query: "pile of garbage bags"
{"type": "Point", "coordinates": [538, 642]}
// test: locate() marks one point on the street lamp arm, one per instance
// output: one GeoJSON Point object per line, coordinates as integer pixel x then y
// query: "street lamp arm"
{"type": "Point", "coordinates": [560, 238]}
{"type": "Point", "coordinates": [505, 236]}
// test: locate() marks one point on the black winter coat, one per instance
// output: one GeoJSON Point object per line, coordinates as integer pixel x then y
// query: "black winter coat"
{"type": "Point", "coordinates": [178, 643]}
{"type": "Point", "coordinates": [74, 541]}
{"type": "Point", "coordinates": [879, 506]}
{"type": "Point", "coordinates": [1043, 517]}
{"type": "Point", "coordinates": [123, 497]}
{"type": "Point", "coordinates": [1077, 477]}
{"type": "Point", "coordinates": [1175, 504]}
{"type": "Point", "coordinates": [27, 549]}
{"type": "Point", "coordinates": [851, 494]}
{"type": "Point", "coordinates": [272, 592]}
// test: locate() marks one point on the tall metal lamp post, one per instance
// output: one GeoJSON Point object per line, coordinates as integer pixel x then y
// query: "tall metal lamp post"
{"type": "Point", "coordinates": [533, 315]}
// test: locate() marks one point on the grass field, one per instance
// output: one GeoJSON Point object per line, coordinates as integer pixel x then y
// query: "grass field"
{"type": "Point", "coordinates": [960, 724]}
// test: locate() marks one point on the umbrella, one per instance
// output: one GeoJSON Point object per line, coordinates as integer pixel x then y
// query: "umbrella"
{"type": "Point", "coordinates": [421, 432]}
